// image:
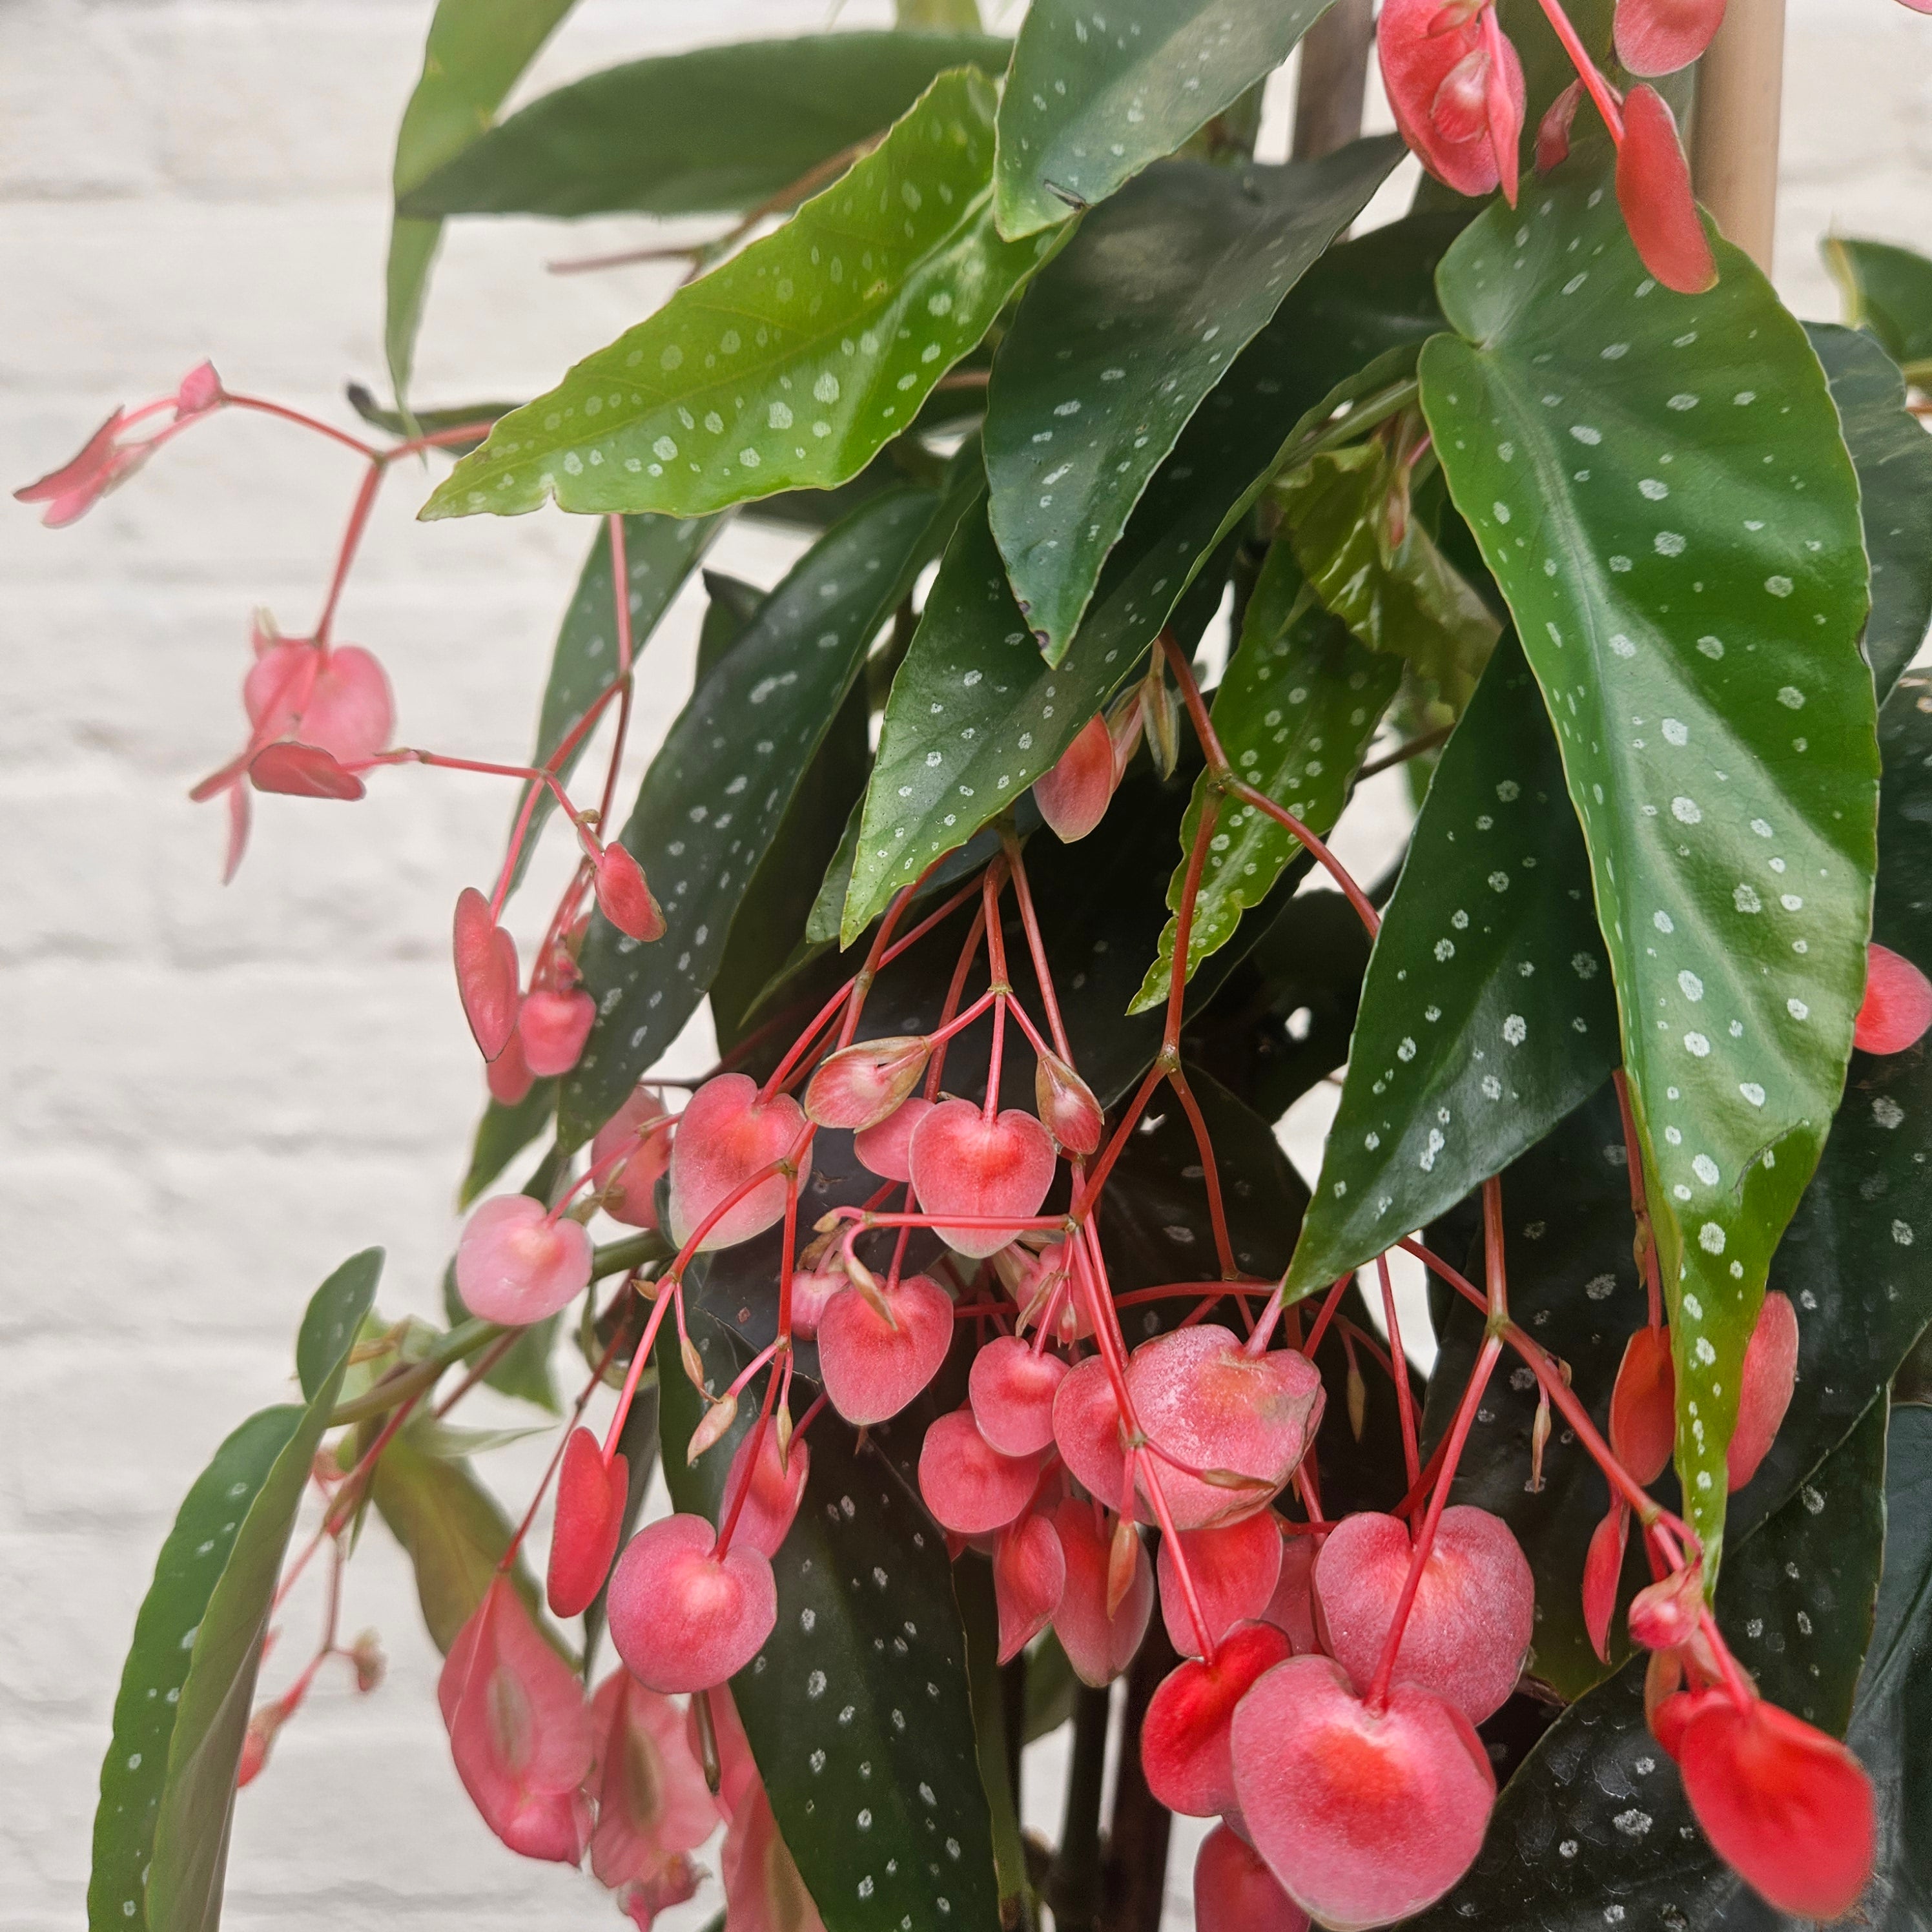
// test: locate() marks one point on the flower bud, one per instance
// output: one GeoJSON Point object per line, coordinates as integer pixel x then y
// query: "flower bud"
{"type": "Point", "coordinates": [859, 1086]}
{"type": "Point", "coordinates": [1067, 1108]}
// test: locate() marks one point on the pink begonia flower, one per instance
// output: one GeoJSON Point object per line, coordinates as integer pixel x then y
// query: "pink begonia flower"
{"type": "Point", "coordinates": [652, 1802]}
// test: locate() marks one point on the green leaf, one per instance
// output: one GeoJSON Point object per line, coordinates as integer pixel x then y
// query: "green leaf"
{"type": "Point", "coordinates": [1887, 292]}
{"type": "Point", "coordinates": [713, 130]}
{"type": "Point", "coordinates": [717, 792]}
{"type": "Point", "coordinates": [1301, 701]}
{"type": "Point", "coordinates": [659, 553]}
{"type": "Point", "coordinates": [1694, 624]}
{"type": "Point", "coordinates": [476, 52]}
{"type": "Point", "coordinates": [167, 1784]}
{"type": "Point", "coordinates": [857, 1708]}
{"type": "Point", "coordinates": [1487, 1013]}
{"type": "Point", "coordinates": [426, 422]}
{"type": "Point", "coordinates": [454, 1534]}
{"type": "Point", "coordinates": [928, 16]}
{"type": "Point", "coordinates": [790, 365]}
{"type": "Point", "coordinates": [1091, 100]}
{"type": "Point", "coordinates": [980, 1621]}
{"type": "Point", "coordinates": [1361, 300]}
{"type": "Point", "coordinates": [502, 1134]}
{"type": "Point", "coordinates": [1893, 456]}
{"type": "Point", "coordinates": [1597, 1812]}
{"type": "Point", "coordinates": [1399, 596]}
{"type": "Point", "coordinates": [1122, 335]}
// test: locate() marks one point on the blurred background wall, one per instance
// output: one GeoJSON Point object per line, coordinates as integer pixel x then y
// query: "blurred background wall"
{"type": "Point", "coordinates": [210, 1095]}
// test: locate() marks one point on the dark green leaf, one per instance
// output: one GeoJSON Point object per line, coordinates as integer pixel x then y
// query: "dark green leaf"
{"type": "Point", "coordinates": [1694, 624]}
{"type": "Point", "coordinates": [638, 1445]}
{"type": "Point", "coordinates": [790, 366]}
{"type": "Point", "coordinates": [167, 1785]}
{"type": "Point", "coordinates": [1122, 335]}
{"type": "Point", "coordinates": [1888, 290]}
{"type": "Point", "coordinates": [454, 1534]}
{"type": "Point", "coordinates": [716, 793]}
{"type": "Point", "coordinates": [502, 1133]}
{"type": "Point", "coordinates": [1487, 1014]}
{"type": "Point", "coordinates": [1596, 1818]}
{"type": "Point", "coordinates": [1093, 98]}
{"type": "Point", "coordinates": [476, 51]}
{"type": "Point", "coordinates": [659, 553]}
{"type": "Point", "coordinates": [1893, 456]}
{"type": "Point", "coordinates": [1361, 300]}
{"type": "Point", "coordinates": [427, 422]}
{"type": "Point", "coordinates": [1301, 701]}
{"type": "Point", "coordinates": [857, 1708]}
{"type": "Point", "coordinates": [980, 1623]}
{"type": "Point", "coordinates": [712, 130]}
{"type": "Point", "coordinates": [730, 604]}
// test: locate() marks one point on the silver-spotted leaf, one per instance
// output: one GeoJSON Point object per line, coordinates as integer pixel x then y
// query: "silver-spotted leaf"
{"type": "Point", "coordinates": [790, 366]}
{"type": "Point", "coordinates": [1658, 483]}
{"type": "Point", "coordinates": [1121, 336]}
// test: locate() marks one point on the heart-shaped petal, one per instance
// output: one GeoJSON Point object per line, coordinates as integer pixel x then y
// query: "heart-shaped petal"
{"type": "Point", "coordinates": [1291, 1608]}
{"type": "Point", "coordinates": [1099, 1646]}
{"type": "Point", "coordinates": [1764, 1388]}
{"type": "Point", "coordinates": [643, 1126]}
{"type": "Point", "coordinates": [1655, 37]}
{"type": "Point", "coordinates": [778, 1486]}
{"type": "Point", "coordinates": [339, 701]}
{"type": "Point", "coordinates": [1074, 795]}
{"type": "Point", "coordinates": [969, 1486]}
{"type": "Point", "coordinates": [1643, 1406]}
{"type": "Point", "coordinates": [624, 897]}
{"type": "Point", "coordinates": [886, 1149]}
{"type": "Point", "coordinates": [515, 1265]}
{"type": "Point", "coordinates": [486, 973]}
{"type": "Point", "coordinates": [552, 1027]}
{"type": "Point", "coordinates": [303, 771]}
{"type": "Point", "coordinates": [1234, 1888]}
{"type": "Point", "coordinates": [1470, 1625]}
{"type": "Point", "coordinates": [1012, 1387]}
{"type": "Point", "coordinates": [963, 1163]}
{"type": "Point", "coordinates": [1029, 1579]}
{"type": "Point", "coordinates": [682, 1617]}
{"type": "Point", "coordinates": [1898, 1005]}
{"type": "Point", "coordinates": [725, 1135]}
{"type": "Point", "coordinates": [871, 1367]}
{"type": "Point", "coordinates": [1087, 1430]}
{"type": "Point", "coordinates": [1420, 44]}
{"type": "Point", "coordinates": [589, 1519]}
{"type": "Point", "coordinates": [1653, 191]}
{"type": "Point", "coordinates": [1185, 1748]}
{"type": "Point", "coordinates": [651, 1803]}
{"type": "Point", "coordinates": [1233, 1569]}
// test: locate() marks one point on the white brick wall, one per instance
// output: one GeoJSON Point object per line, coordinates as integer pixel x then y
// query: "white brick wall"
{"type": "Point", "coordinates": [213, 1096]}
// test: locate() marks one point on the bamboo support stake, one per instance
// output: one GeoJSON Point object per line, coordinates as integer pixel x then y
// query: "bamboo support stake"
{"type": "Point", "coordinates": [1734, 128]}
{"type": "Point", "coordinates": [1334, 72]}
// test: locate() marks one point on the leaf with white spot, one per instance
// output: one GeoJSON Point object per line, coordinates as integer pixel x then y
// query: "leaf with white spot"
{"type": "Point", "coordinates": [1893, 456]}
{"type": "Point", "coordinates": [167, 1786]}
{"type": "Point", "coordinates": [1597, 1812]}
{"type": "Point", "coordinates": [857, 1707]}
{"type": "Point", "coordinates": [718, 789]}
{"type": "Point", "coordinates": [1121, 336]}
{"type": "Point", "coordinates": [1095, 93]}
{"type": "Point", "coordinates": [1295, 714]}
{"type": "Point", "coordinates": [1658, 483]}
{"type": "Point", "coordinates": [792, 365]}
{"type": "Point", "coordinates": [1487, 1013]}
{"type": "Point", "coordinates": [709, 130]}
{"type": "Point", "coordinates": [658, 554]}
{"type": "Point", "coordinates": [1887, 292]}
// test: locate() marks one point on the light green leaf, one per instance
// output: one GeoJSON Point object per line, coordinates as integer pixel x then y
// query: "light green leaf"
{"type": "Point", "coordinates": [1372, 562]}
{"type": "Point", "coordinates": [1295, 713]}
{"type": "Point", "coordinates": [792, 365]}
{"type": "Point", "coordinates": [476, 52]}
{"type": "Point", "coordinates": [1092, 96]}
{"type": "Point", "coordinates": [1893, 456]}
{"type": "Point", "coordinates": [717, 792]}
{"type": "Point", "coordinates": [1888, 290]}
{"type": "Point", "coordinates": [1658, 483]}
{"type": "Point", "coordinates": [167, 1785]}
{"type": "Point", "coordinates": [1487, 1013]}
{"type": "Point", "coordinates": [711, 129]}
{"type": "Point", "coordinates": [1120, 336]}
{"type": "Point", "coordinates": [924, 17]}
{"type": "Point", "coordinates": [659, 553]}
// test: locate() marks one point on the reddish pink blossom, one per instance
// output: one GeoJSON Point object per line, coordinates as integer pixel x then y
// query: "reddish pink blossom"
{"type": "Point", "coordinates": [1029, 1579]}
{"type": "Point", "coordinates": [1074, 795]}
{"type": "Point", "coordinates": [1656, 36]}
{"type": "Point", "coordinates": [682, 1616]}
{"type": "Point", "coordinates": [515, 1264]}
{"type": "Point", "coordinates": [1233, 1570]}
{"type": "Point", "coordinates": [763, 1890]}
{"type": "Point", "coordinates": [1099, 1641]}
{"type": "Point", "coordinates": [552, 1024]}
{"type": "Point", "coordinates": [969, 1486]}
{"type": "Point", "coordinates": [1552, 131]}
{"type": "Point", "coordinates": [1653, 191]}
{"type": "Point", "coordinates": [590, 1498]}
{"type": "Point", "coordinates": [1234, 1888]}
{"type": "Point", "coordinates": [643, 1124]}
{"type": "Point", "coordinates": [1185, 1744]}
{"type": "Point", "coordinates": [777, 1487]}
{"type": "Point", "coordinates": [651, 1803]}
{"type": "Point", "coordinates": [1643, 1406]}
{"type": "Point", "coordinates": [1898, 1005]}
{"type": "Point", "coordinates": [729, 1132]}
{"type": "Point", "coordinates": [1067, 1107]}
{"type": "Point", "coordinates": [965, 1163]}
{"type": "Point", "coordinates": [303, 771]}
{"type": "Point", "coordinates": [519, 1730]}
{"type": "Point", "coordinates": [337, 698]}
{"type": "Point", "coordinates": [1603, 1568]}
{"type": "Point", "coordinates": [1457, 87]}
{"type": "Point", "coordinates": [486, 973]}
{"type": "Point", "coordinates": [876, 1351]}
{"type": "Point", "coordinates": [104, 463]}
{"type": "Point", "coordinates": [625, 900]}
{"type": "Point", "coordinates": [1769, 1375]}
{"type": "Point", "coordinates": [1012, 1387]}
{"type": "Point", "coordinates": [859, 1086]}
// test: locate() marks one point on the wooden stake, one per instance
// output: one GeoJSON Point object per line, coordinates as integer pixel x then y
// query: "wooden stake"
{"type": "Point", "coordinates": [1734, 128]}
{"type": "Point", "coordinates": [1334, 71]}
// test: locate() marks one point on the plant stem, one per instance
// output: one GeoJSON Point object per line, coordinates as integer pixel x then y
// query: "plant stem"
{"type": "Point", "coordinates": [1073, 1885]}
{"type": "Point", "coordinates": [1137, 1840]}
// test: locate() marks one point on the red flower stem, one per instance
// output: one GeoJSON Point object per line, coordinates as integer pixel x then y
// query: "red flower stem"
{"type": "Point", "coordinates": [1599, 89]}
{"type": "Point", "coordinates": [1404, 1400]}
{"type": "Point", "coordinates": [1495, 1273]}
{"type": "Point", "coordinates": [1217, 1217]}
{"type": "Point", "coordinates": [968, 952]}
{"type": "Point", "coordinates": [1184, 939]}
{"type": "Point", "coordinates": [788, 1263]}
{"type": "Point", "coordinates": [1204, 1637]}
{"type": "Point", "coordinates": [263, 407]}
{"type": "Point", "coordinates": [1177, 1291]}
{"type": "Point", "coordinates": [1371, 920]}
{"type": "Point", "coordinates": [1263, 1331]}
{"type": "Point", "coordinates": [1360, 1337]}
{"type": "Point", "coordinates": [1639, 1204]}
{"type": "Point", "coordinates": [996, 968]}
{"type": "Point", "coordinates": [1096, 1178]}
{"type": "Point", "coordinates": [1436, 1264]}
{"type": "Point", "coordinates": [345, 555]}
{"type": "Point", "coordinates": [1331, 1302]}
{"type": "Point", "coordinates": [1425, 1541]}
{"type": "Point", "coordinates": [868, 1220]}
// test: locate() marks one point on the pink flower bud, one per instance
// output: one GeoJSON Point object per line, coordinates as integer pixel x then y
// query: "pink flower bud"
{"type": "Point", "coordinates": [1073, 797]}
{"type": "Point", "coordinates": [858, 1087]}
{"type": "Point", "coordinates": [1665, 1615]}
{"type": "Point", "coordinates": [651, 1804]}
{"type": "Point", "coordinates": [371, 1666]}
{"type": "Point", "coordinates": [102, 464]}
{"type": "Point", "coordinates": [1552, 132]}
{"type": "Point", "coordinates": [625, 898]}
{"type": "Point", "coordinates": [1067, 1108]}
{"type": "Point", "coordinates": [200, 391]}
{"type": "Point", "coordinates": [303, 771]}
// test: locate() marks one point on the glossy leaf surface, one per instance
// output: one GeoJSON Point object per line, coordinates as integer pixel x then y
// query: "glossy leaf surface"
{"type": "Point", "coordinates": [1693, 625]}
{"type": "Point", "coordinates": [1597, 1813]}
{"type": "Point", "coordinates": [1295, 714]}
{"type": "Point", "coordinates": [1121, 336]}
{"type": "Point", "coordinates": [791, 364]}
{"type": "Point", "coordinates": [717, 790]}
{"type": "Point", "coordinates": [1093, 95]}
{"type": "Point", "coordinates": [1888, 290]}
{"type": "Point", "coordinates": [1359, 301]}
{"type": "Point", "coordinates": [659, 553]}
{"type": "Point", "coordinates": [476, 51]}
{"type": "Point", "coordinates": [713, 129]}
{"type": "Point", "coordinates": [167, 1785]}
{"type": "Point", "coordinates": [858, 1708]}
{"type": "Point", "coordinates": [1487, 1013]}
{"type": "Point", "coordinates": [1893, 456]}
